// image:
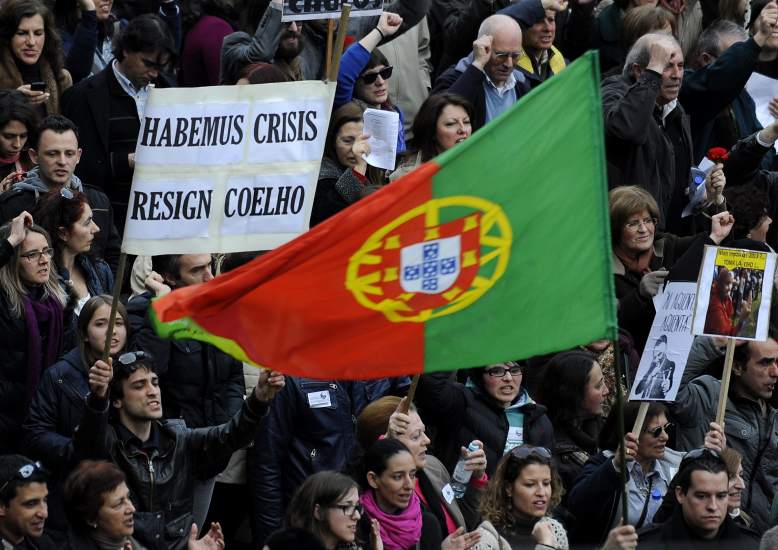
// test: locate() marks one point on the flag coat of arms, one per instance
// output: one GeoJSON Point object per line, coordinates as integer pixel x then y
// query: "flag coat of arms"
{"type": "Point", "coordinates": [499, 249]}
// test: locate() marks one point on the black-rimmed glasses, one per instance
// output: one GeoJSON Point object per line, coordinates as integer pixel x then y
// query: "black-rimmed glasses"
{"type": "Point", "coordinates": [349, 509]}
{"type": "Point", "coordinates": [499, 371]}
{"type": "Point", "coordinates": [35, 255]}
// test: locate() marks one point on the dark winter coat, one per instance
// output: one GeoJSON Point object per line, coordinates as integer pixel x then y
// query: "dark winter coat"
{"type": "Point", "coordinates": [675, 533]}
{"type": "Point", "coordinates": [461, 414]}
{"type": "Point", "coordinates": [638, 147]}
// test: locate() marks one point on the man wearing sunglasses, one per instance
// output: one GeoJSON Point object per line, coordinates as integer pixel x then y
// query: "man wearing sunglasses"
{"type": "Point", "coordinates": [162, 459]}
{"type": "Point", "coordinates": [23, 509]}
{"type": "Point", "coordinates": [750, 421]}
{"type": "Point", "coordinates": [108, 107]}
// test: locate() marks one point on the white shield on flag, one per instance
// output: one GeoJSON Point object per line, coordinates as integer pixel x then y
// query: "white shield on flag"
{"type": "Point", "coordinates": [430, 267]}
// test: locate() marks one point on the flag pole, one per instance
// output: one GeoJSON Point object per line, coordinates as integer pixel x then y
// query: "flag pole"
{"type": "Point", "coordinates": [406, 405]}
{"type": "Point", "coordinates": [620, 427]}
{"type": "Point", "coordinates": [328, 57]}
{"type": "Point", "coordinates": [117, 289]}
{"type": "Point", "coordinates": [332, 76]}
{"type": "Point", "coordinates": [727, 375]}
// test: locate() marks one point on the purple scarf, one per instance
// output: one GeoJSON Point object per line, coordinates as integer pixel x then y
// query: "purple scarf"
{"type": "Point", "coordinates": [46, 312]}
{"type": "Point", "coordinates": [398, 531]}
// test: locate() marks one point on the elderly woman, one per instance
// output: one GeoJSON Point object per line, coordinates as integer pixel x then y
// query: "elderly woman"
{"type": "Point", "coordinates": [443, 121]}
{"type": "Point", "coordinates": [519, 501]}
{"type": "Point", "coordinates": [642, 257]}
{"type": "Point", "coordinates": [383, 417]}
{"type": "Point", "coordinates": [31, 58]}
{"type": "Point", "coordinates": [651, 466]}
{"type": "Point", "coordinates": [493, 407]}
{"type": "Point", "coordinates": [101, 512]}
{"type": "Point", "coordinates": [31, 320]}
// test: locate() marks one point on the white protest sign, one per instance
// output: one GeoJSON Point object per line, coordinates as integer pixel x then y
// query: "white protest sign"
{"type": "Point", "coordinates": [667, 348]}
{"type": "Point", "coordinates": [227, 168]}
{"type": "Point", "coordinates": [300, 10]}
{"type": "Point", "coordinates": [734, 292]}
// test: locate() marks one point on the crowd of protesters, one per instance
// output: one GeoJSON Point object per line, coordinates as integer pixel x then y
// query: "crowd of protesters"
{"type": "Point", "coordinates": [93, 456]}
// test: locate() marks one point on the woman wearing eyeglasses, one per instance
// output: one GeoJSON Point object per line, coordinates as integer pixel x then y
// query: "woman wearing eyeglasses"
{"type": "Point", "coordinates": [364, 72]}
{"type": "Point", "coordinates": [492, 406]}
{"type": "Point", "coordinates": [519, 501]}
{"type": "Point", "coordinates": [651, 466]}
{"type": "Point", "coordinates": [58, 406]}
{"type": "Point", "coordinates": [642, 257]}
{"type": "Point", "coordinates": [66, 214]}
{"type": "Point", "coordinates": [31, 320]}
{"type": "Point", "coordinates": [327, 505]}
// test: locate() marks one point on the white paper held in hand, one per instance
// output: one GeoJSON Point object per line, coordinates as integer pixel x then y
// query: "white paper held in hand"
{"type": "Point", "coordinates": [382, 127]}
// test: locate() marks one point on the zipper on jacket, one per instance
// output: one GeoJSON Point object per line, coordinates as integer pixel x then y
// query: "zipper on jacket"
{"type": "Point", "coordinates": [151, 477]}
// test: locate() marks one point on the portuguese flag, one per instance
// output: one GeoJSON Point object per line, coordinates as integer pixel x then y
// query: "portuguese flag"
{"type": "Point", "coordinates": [499, 249]}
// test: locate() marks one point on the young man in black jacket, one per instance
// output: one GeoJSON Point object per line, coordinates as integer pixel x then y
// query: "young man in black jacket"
{"type": "Point", "coordinates": [162, 459]}
{"type": "Point", "coordinates": [700, 519]}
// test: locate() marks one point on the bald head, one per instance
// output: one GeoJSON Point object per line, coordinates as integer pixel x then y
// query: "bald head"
{"type": "Point", "coordinates": [502, 35]}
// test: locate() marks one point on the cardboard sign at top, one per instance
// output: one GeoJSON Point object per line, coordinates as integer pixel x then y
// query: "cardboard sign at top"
{"type": "Point", "coordinates": [300, 10]}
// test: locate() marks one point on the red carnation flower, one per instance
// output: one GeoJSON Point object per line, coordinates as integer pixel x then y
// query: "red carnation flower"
{"type": "Point", "coordinates": [717, 154]}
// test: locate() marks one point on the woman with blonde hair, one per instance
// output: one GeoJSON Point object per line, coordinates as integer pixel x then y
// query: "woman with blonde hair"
{"type": "Point", "coordinates": [31, 320]}
{"type": "Point", "coordinates": [519, 501]}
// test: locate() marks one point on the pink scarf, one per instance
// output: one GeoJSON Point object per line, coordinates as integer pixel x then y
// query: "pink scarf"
{"type": "Point", "coordinates": [398, 531]}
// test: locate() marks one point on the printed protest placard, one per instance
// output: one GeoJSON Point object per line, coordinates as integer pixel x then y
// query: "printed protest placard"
{"type": "Point", "coordinates": [300, 10]}
{"type": "Point", "coordinates": [734, 293]}
{"type": "Point", "coordinates": [667, 348]}
{"type": "Point", "coordinates": [230, 170]}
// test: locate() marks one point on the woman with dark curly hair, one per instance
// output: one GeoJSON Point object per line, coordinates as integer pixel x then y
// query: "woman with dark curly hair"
{"type": "Point", "coordinates": [518, 503]}
{"type": "Point", "coordinates": [32, 54]}
{"type": "Point", "coordinates": [573, 389]}
{"type": "Point", "coordinates": [67, 216]}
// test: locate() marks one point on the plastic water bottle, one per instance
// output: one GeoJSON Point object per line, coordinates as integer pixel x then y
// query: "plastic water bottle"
{"type": "Point", "coordinates": [461, 477]}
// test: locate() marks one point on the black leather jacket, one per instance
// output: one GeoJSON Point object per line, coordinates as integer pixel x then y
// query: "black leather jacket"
{"type": "Point", "coordinates": [161, 477]}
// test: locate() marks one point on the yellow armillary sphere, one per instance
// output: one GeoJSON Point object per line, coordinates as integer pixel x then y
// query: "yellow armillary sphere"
{"type": "Point", "coordinates": [416, 268]}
